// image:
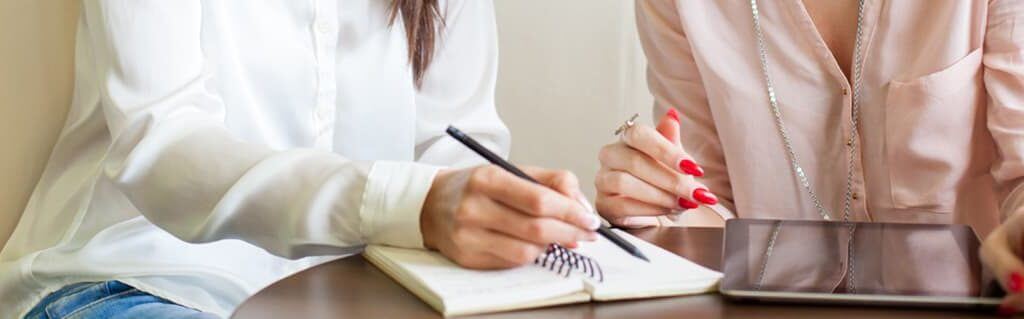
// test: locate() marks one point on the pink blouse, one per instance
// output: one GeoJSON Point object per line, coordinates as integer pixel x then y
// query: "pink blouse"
{"type": "Point", "coordinates": [941, 137]}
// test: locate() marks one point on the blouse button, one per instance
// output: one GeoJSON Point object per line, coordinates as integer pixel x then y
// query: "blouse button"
{"type": "Point", "coordinates": [846, 91]}
{"type": "Point", "coordinates": [855, 196]}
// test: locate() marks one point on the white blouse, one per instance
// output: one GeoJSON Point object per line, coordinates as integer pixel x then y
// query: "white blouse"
{"type": "Point", "coordinates": [212, 146]}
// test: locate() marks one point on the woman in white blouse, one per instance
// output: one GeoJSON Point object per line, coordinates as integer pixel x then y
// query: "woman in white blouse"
{"type": "Point", "coordinates": [214, 147]}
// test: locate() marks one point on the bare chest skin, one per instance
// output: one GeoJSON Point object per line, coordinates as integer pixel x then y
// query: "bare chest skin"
{"type": "Point", "coordinates": [836, 21]}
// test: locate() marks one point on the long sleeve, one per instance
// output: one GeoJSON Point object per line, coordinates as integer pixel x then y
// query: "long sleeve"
{"type": "Point", "coordinates": [458, 88]}
{"type": "Point", "coordinates": [1004, 81]}
{"type": "Point", "coordinates": [674, 81]}
{"type": "Point", "coordinates": [174, 158]}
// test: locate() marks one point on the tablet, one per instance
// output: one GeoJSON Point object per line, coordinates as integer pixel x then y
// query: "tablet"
{"type": "Point", "coordinates": [927, 265]}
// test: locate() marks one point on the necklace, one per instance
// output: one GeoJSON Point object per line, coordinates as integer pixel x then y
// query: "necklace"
{"type": "Point", "coordinates": [854, 114]}
{"type": "Point", "coordinates": [798, 170]}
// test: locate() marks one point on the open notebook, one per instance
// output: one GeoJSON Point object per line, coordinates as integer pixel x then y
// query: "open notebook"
{"type": "Point", "coordinates": [453, 290]}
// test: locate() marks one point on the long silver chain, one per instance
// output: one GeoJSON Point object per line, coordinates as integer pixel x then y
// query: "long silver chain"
{"type": "Point", "coordinates": [784, 132]}
{"type": "Point", "coordinates": [795, 161]}
{"type": "Point", "coordinates": [768, 254]}
{"type": "Point", "coordinates": [851, 285]}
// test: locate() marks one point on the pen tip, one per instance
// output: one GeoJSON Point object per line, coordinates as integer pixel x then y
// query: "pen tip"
{"type": "Point", "coordinates": [641, 256]}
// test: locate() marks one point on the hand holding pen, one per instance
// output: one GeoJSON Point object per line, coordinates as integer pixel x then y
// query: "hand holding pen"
{"type": "Point", "coordinates": [602, 229]}
{"type": "Point", "coordinates": [488, 218]}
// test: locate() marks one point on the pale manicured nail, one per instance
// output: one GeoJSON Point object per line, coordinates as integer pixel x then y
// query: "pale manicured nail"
{"type": "Point", "coordinates": [592, 221]}
{"type": "Point", "coordinates": [580, 196]}
{"type": "Point", "coordinates": [588, 236]}
{"type": "Point", "coordinates": [590, 217]}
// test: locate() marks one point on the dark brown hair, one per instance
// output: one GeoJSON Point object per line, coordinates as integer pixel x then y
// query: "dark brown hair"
{"type": "Point", "coordinates": [423, 20]}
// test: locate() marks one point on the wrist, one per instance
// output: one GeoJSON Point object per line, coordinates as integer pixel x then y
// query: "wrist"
{"type": "Point", "coordinates": [432, 205]}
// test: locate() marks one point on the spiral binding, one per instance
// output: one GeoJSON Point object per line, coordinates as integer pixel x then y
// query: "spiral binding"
{"type": "Point", "coordinates": [564, 261]}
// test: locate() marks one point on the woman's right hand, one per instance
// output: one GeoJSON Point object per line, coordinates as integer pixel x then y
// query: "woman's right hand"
{"type": "Point", "coordinates": [487, 218]}
{"type": "Point", "coordinates": [648, 173]}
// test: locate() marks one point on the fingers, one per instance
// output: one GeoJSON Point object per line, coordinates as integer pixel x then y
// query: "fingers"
{"type": "Point", "coordinates": [619, 182]}
{"type": "Point", "coordinates": [532, 199]}
{"type": "Point", "coordinates": [512, 250]}
{"type": "Point", "coordinates": [668, 127]}
{"type": "Point", "coordinates": [502, 219]}
{"type": "Point", "coordinates": [998, 252]}
{"type": "Point", "coordinates": [649, 174]}
{"type": "Point", "coordinates": [621, 157]}
{"type": "Point", "coordinates": [650, 142]}
{"type": "Point", "coordinates": [617, 207]}
{"type": "Point", "coordinates": [1011, 304]}
{"type": "Point", "coordinates": [491, 250]}
{"type": "Point", "coordinates": [634, 222]}
{"type": "Point", "coordinates": [561, 181]}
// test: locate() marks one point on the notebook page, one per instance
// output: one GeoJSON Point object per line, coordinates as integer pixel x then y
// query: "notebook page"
{"type": "Point", "coordinates": [454, 289]}
{"type": "Point", "coordinates": [626, 276]}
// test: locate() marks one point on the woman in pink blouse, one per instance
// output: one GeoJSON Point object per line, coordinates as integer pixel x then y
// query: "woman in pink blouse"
{"type": "Point", "coordinates": [863, 110]}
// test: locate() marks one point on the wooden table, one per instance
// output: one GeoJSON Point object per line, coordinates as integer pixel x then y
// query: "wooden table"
{"type": "Point", "coordinates": [353, 288]}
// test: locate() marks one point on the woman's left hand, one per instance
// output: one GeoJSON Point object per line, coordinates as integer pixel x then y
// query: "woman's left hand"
{"type": "Point", "coordinates": [1001, 253]}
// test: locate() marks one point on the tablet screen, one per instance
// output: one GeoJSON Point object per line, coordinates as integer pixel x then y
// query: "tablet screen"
{"type": "Point", "coordinates": [854, 258]}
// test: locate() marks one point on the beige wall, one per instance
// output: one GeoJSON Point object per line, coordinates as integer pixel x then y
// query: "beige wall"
{"type": "Point", "coordinates": [36, 50]}
{"type": "Point", "coordinates": [571, 72]}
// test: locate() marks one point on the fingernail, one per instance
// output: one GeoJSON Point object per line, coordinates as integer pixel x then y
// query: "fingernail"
{"type": "Point", "coordinates": [582, 198]}
{"type": "Point", "coordinates": [572, 245]}
{"type": "Point", "coordinates": [687, 204]}
{"type": "Point", "coordinates": [591, 220]}
{"type": "Point", "coordinates": [704, 196]}
{"type": "Point", "coordinates": [672, 113]}
{"type": "Point", "coordinates": [691, 167]}
{"type": "Point", "coordinates": [590, 217]}
{"type": "Point", "coordinates": [1005, 310]}
{"type": "Point", "coordinates": [1016, 282]}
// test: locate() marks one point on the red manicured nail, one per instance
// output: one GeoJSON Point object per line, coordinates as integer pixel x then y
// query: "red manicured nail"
{"type": "Point", "coordinates": [691, 167]}
{"type": "Point", "coordinates": [673, 114]}
{"type": "Point", "coordinates": [1007, 311]}
{"type": "Point", "coordinates": [687, 204]}
{"type": "Point", "coordinates": [704, 196]}
{"type": "Point", "coordinates": [1016, 282]}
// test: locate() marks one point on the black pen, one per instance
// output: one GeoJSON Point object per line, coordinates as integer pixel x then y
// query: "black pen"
{"type": "Point", "coordinates": [497, 160]}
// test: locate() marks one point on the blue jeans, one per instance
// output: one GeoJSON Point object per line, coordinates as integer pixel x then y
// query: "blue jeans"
{"type": "Point", "coordinates": [109, 300]}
